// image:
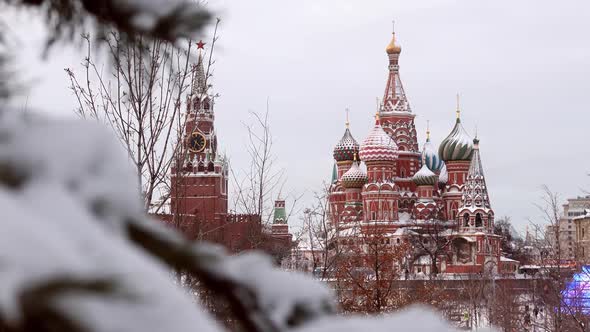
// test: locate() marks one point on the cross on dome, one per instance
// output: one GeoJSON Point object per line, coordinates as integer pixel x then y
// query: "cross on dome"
{"type": "Point", "coordinates": [458, 108]}
{"type": "Point", "coordinates": [347, 122]}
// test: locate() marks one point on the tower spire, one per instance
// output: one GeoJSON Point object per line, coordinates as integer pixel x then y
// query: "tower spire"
{"type": "Point", "coordinates": [199, 87]}
{"type": "Point", "coordinates": [427, 130]}
{"type": "Point", "coordinates": [394, 98]}
{"type": "Point", "coordinates": [475, 192]}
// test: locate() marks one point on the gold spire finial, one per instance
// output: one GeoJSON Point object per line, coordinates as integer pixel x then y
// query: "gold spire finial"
{"type": "Point", "coordinates": [354, 157]}
{"type": "Point", "coordinates": [393, 47]}
{"type": "Point", "coordinates": [427, 130]}
{"type": "Point", "coordinates": [458, 108]}
{"type": "Point", "coordinates": [378, 110]}
{"type": "Point", "coordinates": [347, 122]}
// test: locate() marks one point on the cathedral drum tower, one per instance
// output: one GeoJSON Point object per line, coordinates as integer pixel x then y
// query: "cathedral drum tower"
{"type": "Point", "coordinates": [380, 195]}
{"type": "Point", "coordinates": [345, 153]}
{"type": "Point", "coordinates": [456, 151]}
{"type": "Point", "coordinates": [397, 120]}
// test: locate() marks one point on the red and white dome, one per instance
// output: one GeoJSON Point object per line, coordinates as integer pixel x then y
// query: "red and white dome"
{"type": "Point", "coordinates": [378, 146]}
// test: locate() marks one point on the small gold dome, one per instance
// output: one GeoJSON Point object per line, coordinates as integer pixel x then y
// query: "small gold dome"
{"type": "Point", "coordinates": [393, 48]}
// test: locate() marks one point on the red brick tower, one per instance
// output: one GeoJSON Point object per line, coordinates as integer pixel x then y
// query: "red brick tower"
{"type": "Point", "coordinates": [475, 212]}
{"type": "Point", "coordinates": [353, 181]}
{"type": "Point", "coordinates": [380, 195]}
{"type": "Point", "coordinates": [199, 179]}
{"type": "Point", "coordinates": [426, 206]}
{"type": "Point", "coordinates": [456, 150]}
{"type": "Point", "coordinates": [475, 221]}
{"type": "Point", "coordinates": [344, 155]}
{"type": "Point", "coordinates": [397, 120]}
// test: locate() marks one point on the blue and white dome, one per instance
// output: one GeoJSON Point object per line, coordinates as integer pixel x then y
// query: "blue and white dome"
{"type": "Point", "coordinates": [443, 176]}
{"type": "Point", "coordinates": [430, 156]}
{"type": "Point", "coordinates": [425, 177]}
{"type": "Point", "coordinates": [457, 146]}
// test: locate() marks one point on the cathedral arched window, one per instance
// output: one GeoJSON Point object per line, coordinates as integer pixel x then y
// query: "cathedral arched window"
{"type": "Point", "coordinates": [466, 220]}
{"type": "Point", "coordinates": [478, 220]}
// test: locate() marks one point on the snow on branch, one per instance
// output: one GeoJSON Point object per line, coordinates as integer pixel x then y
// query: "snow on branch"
{"type": "Point", "coordinates": [164, 19]}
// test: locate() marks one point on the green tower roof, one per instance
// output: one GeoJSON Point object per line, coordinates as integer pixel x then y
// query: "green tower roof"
{"type": "Point", "coordinates": [280, 216]}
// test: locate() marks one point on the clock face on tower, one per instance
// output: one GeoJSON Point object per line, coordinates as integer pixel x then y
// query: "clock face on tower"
{"type": "Point", "coordinates": [197, 142]}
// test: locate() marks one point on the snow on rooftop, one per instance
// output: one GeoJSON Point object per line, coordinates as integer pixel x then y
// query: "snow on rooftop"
{"type": "Point", "coordinates": [506, 259]}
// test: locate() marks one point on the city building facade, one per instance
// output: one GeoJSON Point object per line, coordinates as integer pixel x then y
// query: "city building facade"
{"type": "Point", "coordinates": [583, 238]}
{"type": "Point", "coordinates": [565, 230]}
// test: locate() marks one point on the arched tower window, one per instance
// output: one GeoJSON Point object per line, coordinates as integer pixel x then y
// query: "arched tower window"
{"type": "Point", "coordinates": [478, 221]}
{"type": "Point", "coordinates": [466, 220]}
{"type": "Point", "coordinates": [403, 172]}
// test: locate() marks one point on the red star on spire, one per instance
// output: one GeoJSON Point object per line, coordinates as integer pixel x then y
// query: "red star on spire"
{"type": "Point", "coordinates": [200, 45]}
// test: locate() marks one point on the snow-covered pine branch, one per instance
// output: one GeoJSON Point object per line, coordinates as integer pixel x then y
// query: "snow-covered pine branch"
{"type": "Point", "coordinates": [168, 20]}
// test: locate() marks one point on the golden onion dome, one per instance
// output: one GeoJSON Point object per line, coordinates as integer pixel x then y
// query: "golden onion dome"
{"type": "Point", "coordinates": [393, 47]}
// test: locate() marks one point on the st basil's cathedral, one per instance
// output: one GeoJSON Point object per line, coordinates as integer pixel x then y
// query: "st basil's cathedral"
{"type": "Point", "coordinates": [387, 184]}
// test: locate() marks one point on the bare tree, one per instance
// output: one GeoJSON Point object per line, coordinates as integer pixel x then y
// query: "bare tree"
{"type": "Point", "coordinates": [368, 269]}
{"type": "Point", "coordinates": [140, 98]}
{"type": "Point", "coordinates": [431, 237]}
{"type": "Point", "coordinates": [256, 186]}
{"type": "Point", "coordinates": [555, 273]}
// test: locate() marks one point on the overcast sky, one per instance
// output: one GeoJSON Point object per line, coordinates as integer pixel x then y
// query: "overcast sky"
{"type": "Point", "coordinates": [522, 69]}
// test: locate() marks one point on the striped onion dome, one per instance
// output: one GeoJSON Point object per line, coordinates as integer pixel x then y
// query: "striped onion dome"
{"type": "Point", "coordinates": [346, 148]}
{"type": "Point", "coordinates": [355, 177]}
{"type": "Point", "coordinates": [424, 177]}
{"type": "Point", "coordinates": [378, 145]}
{"type": "Point", "coordinates": [443, 176]}
{"type": "Point", "coordinates": [430, 157]}
{"type": "Point", "coordinates": [457, 146]}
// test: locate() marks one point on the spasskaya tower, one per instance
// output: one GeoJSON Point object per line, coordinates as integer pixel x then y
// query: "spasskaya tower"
{"type": "Point", "coordinates": [199, 177]}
